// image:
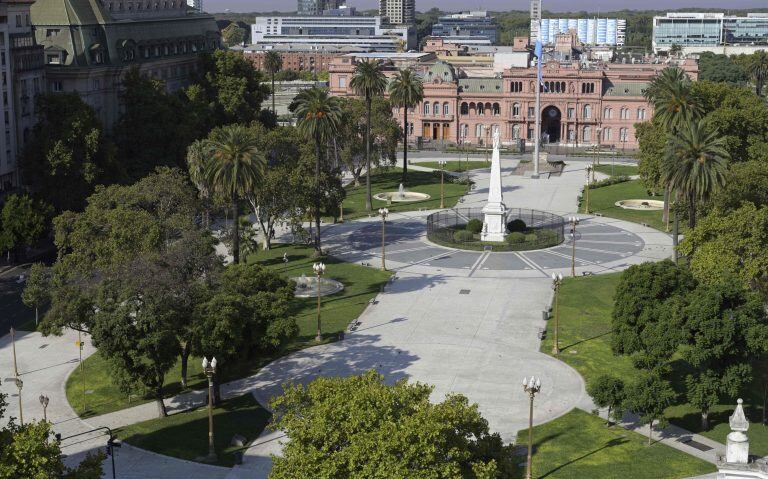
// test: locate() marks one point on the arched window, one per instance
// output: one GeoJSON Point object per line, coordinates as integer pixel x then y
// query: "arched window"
{"type": "Point", "coordinates": [516, 109]}
{"type": "Point", "coordinates": [623, 134]}
{"type": "Point", "coordinates": [587, 134]}
{"type": "Point", "coordinates": [480, 109]}
{"type": "Point", "coordinates": [436, 109]}
{"type": "Point", "coordinates": [496, 109]}
{"type": "Point", "coordinates": [607, 134]}
{"type": "Point", "coordinates": [464, 108]}
{"type": "Point", "coordinates": [446, 109]}
{"type": "Point", "coordinates": [624, 114]}
{"type": "Point", "coordinates": [488, 107]}
{"type": "Point", "coordinates": [515, 132]}
{"type": "Point", "coordinates": [464, 130]}
{"type": "Point", "coordinates": [426, 108]}
{"type": "Point", "coordinates": [494, 129]}
{"type": "Point", "coordinates": [607, 113]}
{"type": "Point", "coordinates": [587, 112]}
{"type": "Point", "coordinates": [641, 113]}
{"type": "Point", "coordinates": [479, 130]}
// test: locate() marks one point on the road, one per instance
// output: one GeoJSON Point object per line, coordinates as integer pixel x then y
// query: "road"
{"type": "Point", "coordinates": [12, 310]}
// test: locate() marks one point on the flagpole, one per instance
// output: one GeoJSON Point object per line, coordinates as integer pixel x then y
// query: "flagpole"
{"type": "Point", "coordinates": [537, 130]}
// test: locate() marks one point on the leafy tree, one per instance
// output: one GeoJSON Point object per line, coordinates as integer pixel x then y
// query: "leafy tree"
{"type": "Point", "coordinates": [731, 245]}
{"type": "Point", "coordinates": [642, 323]}
{"type": "Point", "coordinates": [406, 91]}
{"type": "Point", "coordinates": [233, 35]}
{"type": "Point", "coordinates": [696, 164]}
{"type": "Point", "coordinates": [608, 392]}
{"type": "Point", "coordinates": [273, 62]}
{"type": "Point", "coordinates": [66, 155]}
{"type": "Point", "coordinates": [143, 135]}
{"type": "Point", "coordinates": [235, 168]}
{"type": "Point", "coordinates": [744, 182]}
{"type": "Point", "coordinates": [233, 86]}
{"type": "Point", "coordinates": [368, 81]}
{"type": "Point", "coordinates": [757, 66]}
{"type": "Point", "coordinates": [334, 432]}
{"type": "Point", "coordinates": [720, 68]}
{"type": "Point", "coordinates": [37, 288]}
{"type": "Point", "coordinates": [726, 327]}
{"type": "Point", "coordinates": [319, 116]}
{"type": "Point", "coordinates": [29, 451]}
{"type": "Point", "coordinates": [652, 140]}
{"type": "Point", "coordinates": [198, 156]}
{"type": "Point", "coordinates": [648, 397]}
{"type": "Point", "coordinates": [23, 221]}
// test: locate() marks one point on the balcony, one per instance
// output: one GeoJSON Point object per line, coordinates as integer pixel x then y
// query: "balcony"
{"type": "Point", "coordinates": [433, 117]}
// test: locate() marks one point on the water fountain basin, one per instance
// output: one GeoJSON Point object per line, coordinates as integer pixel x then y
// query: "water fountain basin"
{"type": "Point", "coordinates": [641, 205]}
{"type": "Point", "coordinates": [306, 286]}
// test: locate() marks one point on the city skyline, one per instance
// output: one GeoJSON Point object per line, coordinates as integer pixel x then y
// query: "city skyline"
{"type": "Point", "coordinates": [498, 5]}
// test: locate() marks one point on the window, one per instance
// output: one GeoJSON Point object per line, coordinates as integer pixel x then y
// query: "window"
{"type": "Point", "coordinates": [607, 113]}
{"type": "Point", "coordinates": [531, 112]}
{"type": "Point", "coordinates": [342, 82]}
{"type": "Point", "coordinates": [464, 108]}
{"type": "Point", "coordinates": [607, 134]}
{"type": "Point", "coordinates": [587, 134]}
{"type": "Point", "coordinates": [18, 21]}
{"type": "Point", "coordinates": [587, 112]}
{"type": "Point", "coordinates": [479, 130]}
{"type": "Point", "coordinates": [494, 130]}
{"type": "Point", "coordinates": [53, 59]}
{"type": "Point", "coordinates": [96, 84]}
{"type": "Point", "coordinates": [57, 86]}
{"type": "Point", "coordinates": [641, 113]}
{"type": "Point", "coordinates": [516, 87]}
{"type": "Point", "coordinates": [516, 109]}
{"type": "Point", "coordinates": [515, 132]}
{"type": "Point", "coordinates": [436, 109]}
{"type": "Point", "coordinates": [623, 134]}
{"type": "Point", "coordinates": [446, 109]}
{"type": "Point", "coordinates": [49, 32]}
{"type": "Point", "coordinates": [624, 113]}
{"type": "Point", "coordinates": [464, 130]}
{"type": "Point", "coordinates": [426, 108]}
{"type": "Point", "coordinates": [571, 112]}
{"type": "Point", "coordinates": [496, 109]}
{"type": "Point", "coordinates": [480, 109]}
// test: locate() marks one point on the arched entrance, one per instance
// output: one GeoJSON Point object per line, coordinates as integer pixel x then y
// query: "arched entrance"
{"type": "Point", "coordinates": [550, 124]}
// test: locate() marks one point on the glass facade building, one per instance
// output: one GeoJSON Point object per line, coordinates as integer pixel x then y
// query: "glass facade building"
{"type": "Point", "coordinates": [470, 24]}
{"type": "Point", "coordinates": [590, 31]}
{"type": "Point", "coordinates": [709, 29]}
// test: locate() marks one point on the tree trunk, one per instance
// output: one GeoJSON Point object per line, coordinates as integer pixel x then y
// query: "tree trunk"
{"type": "Point", "coordinates": [650, 432]}
{"type": "Point", "coordinates": [368, 198]}
{"type": "Point", "coordinates": [161, 411]}
{"type": "Point", "coordinates": [273, 94]}
{"type": "Point", "coordinates": [704, 420]}
{"type": "Point", "coordinates": [235, 232]}
{"type": "Point", "coordinates": [608, 421]}
{"type": "Point", "coordinates": [36, 315]}
{"type": "Point", "coordinates": [692, 214]}
{"type": "Point", "coordinates": [184, 363]}
{"type": "Point", "coordinates": [675, 232]}
{"type": "Point", "coordinates": [665, 214]}
{"type": "Point", "coordinates": [405, 145]}
{"type": "Point", "coordinates": [318, 249]}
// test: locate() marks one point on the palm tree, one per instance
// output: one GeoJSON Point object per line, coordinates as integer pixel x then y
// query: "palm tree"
{"type": "Point", "coordinates": [273, 63]}
{"type": "Point", "coordinates": [696, 164]}
{"type": "Point", "coordinates": [674, 104]}
{"type": "Point", "coordinates": [235, 168]}
{"type": "Point", "coordinates": [319, 116]}
{"type": "Point", "coordinates": [198, 155]}
{"type": "Point", "coordinates": [758, 69]}
{"type": "Point", "coordinates": [406, 91]}
{"type": "Point", "coordinates": [675, 50]}
{"type": "Point", "coordinates": [368, 81]}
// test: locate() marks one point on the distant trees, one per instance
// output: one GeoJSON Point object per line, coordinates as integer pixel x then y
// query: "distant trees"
{"type": "Point", "coordinates": [23, 221]}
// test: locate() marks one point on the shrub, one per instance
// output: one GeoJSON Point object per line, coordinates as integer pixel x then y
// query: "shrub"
{"type": "Point", "coordinates": [549, 237]}
{"type": "Point", "coordinates": [611, 180]}
{"type": "Point", "coordinates": [531, 238]}
{"type": "Point", "coordinates": [515, 238]}
{"type": "Point", "coordinates": [462, 236]}
{"type": "Point", "coordinates": [474, 226]}
{"type": "Point", "coordinates": [516, 225]}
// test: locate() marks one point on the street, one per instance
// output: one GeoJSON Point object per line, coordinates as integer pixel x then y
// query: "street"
{"type": "Point", "coordinates": [12, 310]}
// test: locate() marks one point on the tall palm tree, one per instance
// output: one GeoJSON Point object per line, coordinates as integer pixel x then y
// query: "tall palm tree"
{"type": "Point", "coordinates": [674, 104]}
{"type": "Point", "coordinates": [758, 69]}
{"type": "Point", "coordinates": [235, 168]}
{"type": "Point", "coordinates": [368, 81]}
{"type": "Point", "coordinates": [406, 90]}
{"type": "Point", "coordinates": [198, 155]}
{"type": "Point", "coordinates": [696, 164]}
{"type": "Point", "coordinates": [273, 63]}
{"type": "Point", "coordinates": [319, 116]}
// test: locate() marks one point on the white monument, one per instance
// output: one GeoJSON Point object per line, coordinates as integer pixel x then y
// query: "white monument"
{"type": "Point", "coordinates": [737, 464]}
{"type": "Point", "coordinates": [495, 212]}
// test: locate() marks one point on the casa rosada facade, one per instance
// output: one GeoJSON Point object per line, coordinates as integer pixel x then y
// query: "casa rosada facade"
{"type": "Point", "coordinates": [580, 105]}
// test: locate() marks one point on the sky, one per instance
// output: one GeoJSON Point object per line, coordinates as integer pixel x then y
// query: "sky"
{"type": "Point", "coordinates": [552, 5]}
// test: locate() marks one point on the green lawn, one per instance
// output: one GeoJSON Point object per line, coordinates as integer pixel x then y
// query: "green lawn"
{"type": "Point", "coordinates": [584, 335]}
{"type": "Point", "coordinates": [389, 180]}
{"type": "Point", "coordinates": [456, 166]}
{"type": "Point", "coordinates": [617, 170]}
{"type": "Point", "coordinates": [360, 285]}
{"type": "Point", "coordinates": [579, 446]}
{"type": "Point", "coordinates": [603, 200]}
{"type": "Point", "coordinates": [185, 435]}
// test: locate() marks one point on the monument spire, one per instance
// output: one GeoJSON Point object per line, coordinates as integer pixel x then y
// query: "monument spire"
{"type": "Point", "coordinates": [495, 211]}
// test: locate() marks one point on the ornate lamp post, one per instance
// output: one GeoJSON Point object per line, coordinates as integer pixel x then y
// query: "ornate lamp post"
{"type": "Point", "coordinates": [574, 222]}
{"type": "Point", "coordinates": [442, 182]}
{"type": "Point", "coordinates": [319, 269]}
{"type": "Point", "coordinates": [44, 402]}
{"type": "Point", "coordinates": [384, 213]}
{"type": "Point", "coordinates": [13, 343]}
{"type": "Point", "coordinates": [209, 368]}
{"type": "Point", "coordinates": [557, 281]}
{"type": "Point", "coordinates": [590, 169]}
{"type": "Point", "coordinates": [532, 386]}
{"type": "Point", "coordinates": [19, 385]}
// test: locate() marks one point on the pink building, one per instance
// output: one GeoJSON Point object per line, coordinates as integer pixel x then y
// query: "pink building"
{"type": "Point", "coordinates": [580, 105]}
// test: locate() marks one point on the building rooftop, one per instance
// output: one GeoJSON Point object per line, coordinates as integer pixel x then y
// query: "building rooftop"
{"type": "Point", "coordinates": [393, 56]}
{"type": "Point", "coordinates": [300, 48]}
{"type": "Point", "coordinates": [623, 88]}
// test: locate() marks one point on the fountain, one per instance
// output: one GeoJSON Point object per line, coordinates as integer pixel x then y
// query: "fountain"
{"type": "Point", "coordinates": [641, 205]}
{"type": "Point", "coordinates": [306, 287]}
{"type": "Point", "coordinates": [401, 196]}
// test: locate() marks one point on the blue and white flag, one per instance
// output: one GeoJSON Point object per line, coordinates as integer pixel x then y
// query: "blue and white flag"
{"type": "Point", "coordinates": [539, 60]}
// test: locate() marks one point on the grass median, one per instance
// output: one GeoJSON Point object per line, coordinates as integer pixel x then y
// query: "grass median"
{"type": "Point", "coordinates": [603, 200]}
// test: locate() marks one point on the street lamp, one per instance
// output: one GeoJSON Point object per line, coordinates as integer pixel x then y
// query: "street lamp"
{"type": "Point", "coordinates": [319, 269]}
{"type": "Point", "coordinates": [209, 368]}
{"type": "Point", "coordinates": [532, 386]}
{"type": "Point", "coordinates": [599, 130]}
{"type": "Point", "coordinates": [13, 343]}
{"type": "Point", "coordinates": [574, 222]}
{"type": "Point", "coordinates": [557, 281]}
{"type": "Point", "coordinates": [590, 169]}
{"type": "Point", "coordinates": [442, 182]}
{"type": "Point", "coordinates": [383, 212]}
{"type": "Point", "coordinates": [44, 402]}
{"type": "Point", "coordinates": [19, 385]}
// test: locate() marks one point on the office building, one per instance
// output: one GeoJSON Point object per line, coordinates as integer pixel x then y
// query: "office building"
{"type": "Point", "coordinates": [300, 58]}
{"type": "Point", "coordinates": [716, 32]}
{"type": "Point", "coordinates": [590, 31]}
{"type": "Point", "coordinates": [468, 24]}
{"type": "Point", "coordinates": [317, 7]}
{"type": "Point", "coordinates": [90, 45]}
{"type": "Point", "coordinates": [535, 20]}
{"type": "Point", "coordinates": [23, 78]}
{"type": "Point", "coordinates": [398, 12]}
{"type": "Point", "coordinates": [368, 33]}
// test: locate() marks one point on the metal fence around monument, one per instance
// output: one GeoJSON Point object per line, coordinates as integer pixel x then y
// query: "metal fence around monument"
{"type": "Point", "coordinates": [542, 230]}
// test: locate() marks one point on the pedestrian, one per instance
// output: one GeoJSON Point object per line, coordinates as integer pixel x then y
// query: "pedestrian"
{"type": "Point", "coordinates": [285, 257]}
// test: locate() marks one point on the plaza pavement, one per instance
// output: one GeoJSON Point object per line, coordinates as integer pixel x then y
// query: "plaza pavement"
{"type": "Point", "coordinates": [464, 331]}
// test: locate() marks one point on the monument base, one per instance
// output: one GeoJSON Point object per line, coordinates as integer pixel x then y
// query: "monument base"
{"type": "Point", "coordinates": [494, 223]}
